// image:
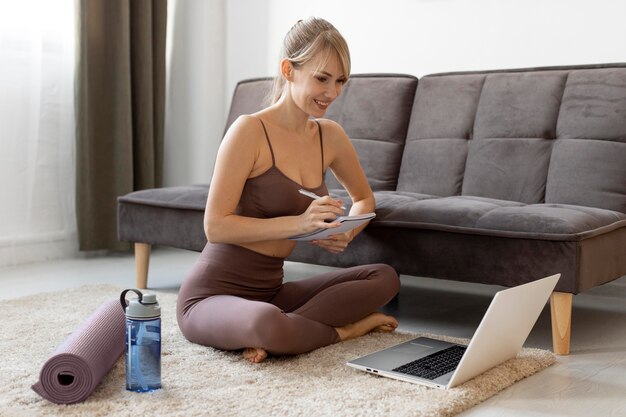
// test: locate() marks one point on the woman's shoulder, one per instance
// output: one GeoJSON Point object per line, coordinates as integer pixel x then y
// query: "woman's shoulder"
{"type": "Point", "coordinates": [331, 126]}
{"type": "Point", "coordinates": [245, 128]}
{"type": "Point", "coordinates": [246, 121]}
{"type": "Point", "coordinates": [331, 130]}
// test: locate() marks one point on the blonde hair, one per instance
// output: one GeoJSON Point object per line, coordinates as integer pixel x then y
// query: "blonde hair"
{"type": "Point", "coordinates": [304, 41]}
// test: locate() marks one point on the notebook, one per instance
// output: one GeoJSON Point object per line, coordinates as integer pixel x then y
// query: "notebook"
{"type": "Point", "coordinates": [346, 223]}
{"type": "Point", "coordinates": [499, 337]}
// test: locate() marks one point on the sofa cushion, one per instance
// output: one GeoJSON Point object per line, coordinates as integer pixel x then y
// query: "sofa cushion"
{"type": "Point", "coordinates": [551, 219]}
{"type": "Point", "coordinates": [433, 166]}
{"type": "Point", "coordinates": [588, 164]}
{"type": "Point", "coordinates": [374, 111]}
{"type": "Point", "coordinates": [594, 105]}
{"type": "Point", "coordinates": [513, 131]}
{"type": "Point", "coordinates": [441, 124]}
{"type": "Point", "coordinates": [170, 216]}
{"type": "Point", "coordinates": [507, 169]}
{"type": "Point", "coordinates": [456, 211]}
{"type": "Point", "coordinates": [445, 107]}
{"type": "Point", "coordinates": [589, 173]}
{"type": "Point", "coordinates": [520, 105]}
{"type": "Point", "coordinates": [492, 217]}
{"type": "Point", "coordinates": [189, 197]}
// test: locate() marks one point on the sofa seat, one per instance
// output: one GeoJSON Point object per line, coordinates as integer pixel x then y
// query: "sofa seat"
{"type": "Point", "coordinates": [190, 197]}
{"type": "Point", "coordinates": [540, 221]}
{"type": "Point", "coordinates": [170, 216]}
{"type": "Point", "coordinates": [491, 217]}
{"type": "Point", "coordinates": [479, 239]}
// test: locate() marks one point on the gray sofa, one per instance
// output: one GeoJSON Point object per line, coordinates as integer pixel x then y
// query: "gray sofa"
{"type": "Point", "coordinates": [496, 177]}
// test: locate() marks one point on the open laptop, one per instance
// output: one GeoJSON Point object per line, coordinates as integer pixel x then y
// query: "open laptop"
{"type": "Point", "coordinates": [499, 337]}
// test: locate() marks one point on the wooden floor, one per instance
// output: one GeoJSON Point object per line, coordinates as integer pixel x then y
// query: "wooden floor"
{"type": "Point", "coordinates": [589, 382]}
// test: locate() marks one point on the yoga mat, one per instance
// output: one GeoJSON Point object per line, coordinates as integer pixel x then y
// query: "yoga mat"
{"type": "Point", "coordinates": [78, 365]}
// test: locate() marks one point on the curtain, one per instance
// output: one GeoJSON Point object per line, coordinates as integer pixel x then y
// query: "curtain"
{"type": "Point", "coordinates": [119, 110]}
{"type": "Point", "coordinates": [37, 219]}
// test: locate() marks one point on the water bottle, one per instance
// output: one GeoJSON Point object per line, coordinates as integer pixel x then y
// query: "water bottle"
{"type": "Point", "coordinates": [143, 342]}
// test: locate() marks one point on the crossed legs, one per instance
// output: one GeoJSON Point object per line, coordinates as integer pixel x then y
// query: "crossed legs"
{"type": "Point", "coordinates": [302, 316]}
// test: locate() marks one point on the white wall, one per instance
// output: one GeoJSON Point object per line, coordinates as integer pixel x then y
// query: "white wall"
{"type": "Point", "coordinates": [425, 36]}
{"type": "Point", "coordinates": [247, 42]}
{"type": "Point", "coordinates": [416, 37]}
{"type": "Point", "coordinates": [194, 110]}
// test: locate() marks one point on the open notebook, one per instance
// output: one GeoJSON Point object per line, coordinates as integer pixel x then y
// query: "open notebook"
{"type": "Point", "coordinates": [347, 223]}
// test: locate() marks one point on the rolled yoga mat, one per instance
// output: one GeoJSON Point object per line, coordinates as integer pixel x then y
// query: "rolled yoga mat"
{"type": "Point", "coordinates": [78, 365]}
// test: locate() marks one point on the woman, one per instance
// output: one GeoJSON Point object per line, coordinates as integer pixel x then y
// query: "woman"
{"type": "Point", "coordinates": [234, 297]}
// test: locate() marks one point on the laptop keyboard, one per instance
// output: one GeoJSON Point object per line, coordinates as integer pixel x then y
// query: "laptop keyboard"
{"type": "Point", "coordinates": [435, 365]}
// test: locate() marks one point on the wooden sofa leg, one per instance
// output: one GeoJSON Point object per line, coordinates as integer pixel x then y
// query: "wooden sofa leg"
{"type": "Point", "coordinates": [142, 260]}
{"type": "Point", "coordinates": [561, 313]}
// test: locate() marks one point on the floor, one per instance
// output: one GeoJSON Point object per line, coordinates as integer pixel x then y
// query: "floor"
{"type": "Point", "coordinates": [591, 381]}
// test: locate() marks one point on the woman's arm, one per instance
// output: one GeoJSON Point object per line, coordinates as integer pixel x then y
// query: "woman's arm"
{"type": "Point", "coordinates": [345, 164]}
{"type": "Point", "coordinates": [237, 160]}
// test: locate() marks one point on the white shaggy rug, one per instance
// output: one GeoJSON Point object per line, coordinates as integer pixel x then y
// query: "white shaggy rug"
{"type": "Point", "coordinates": [203, 381]}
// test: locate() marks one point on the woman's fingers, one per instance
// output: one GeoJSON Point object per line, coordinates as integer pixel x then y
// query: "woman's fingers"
{"type": "Point", "coordinates": [328, 203]}
{"type": "Point", "coordinates": [323, 211]}
{"type": "Point", "coordinates": [335, 243]}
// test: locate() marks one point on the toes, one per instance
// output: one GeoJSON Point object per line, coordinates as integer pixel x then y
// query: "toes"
{"type": "Point", "coordinates": [386, 328]}
{"type": "Point", "coordinates": [254, 355]}
{"type": "Point", "coordinates": [250, 354]}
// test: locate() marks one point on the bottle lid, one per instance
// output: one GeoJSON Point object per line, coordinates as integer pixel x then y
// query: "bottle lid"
{"type": "Point", "coordinates": [144, 307]}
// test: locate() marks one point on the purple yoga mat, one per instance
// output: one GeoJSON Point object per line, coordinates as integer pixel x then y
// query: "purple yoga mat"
{"type": "Point", "coordinates": [78, 365]}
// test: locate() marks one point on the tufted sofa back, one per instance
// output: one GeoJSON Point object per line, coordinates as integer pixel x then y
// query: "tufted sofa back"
{"type": "Point", "coordinates": [545, 135]}
{"type": "Point", "coordinates": [548, 135]}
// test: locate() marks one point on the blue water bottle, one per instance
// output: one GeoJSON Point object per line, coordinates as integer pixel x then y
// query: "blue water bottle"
{"type": "Point", "coordinates": [143, 342]}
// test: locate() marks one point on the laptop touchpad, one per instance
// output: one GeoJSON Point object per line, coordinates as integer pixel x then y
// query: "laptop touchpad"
{"type": "Point", "coordinates": [413, 349]}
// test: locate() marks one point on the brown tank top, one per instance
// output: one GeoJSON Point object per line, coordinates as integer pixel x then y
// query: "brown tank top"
{"type": "Point", "coordinates": [273, 194]}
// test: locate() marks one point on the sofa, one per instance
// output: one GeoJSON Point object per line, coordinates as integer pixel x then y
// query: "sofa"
{"type": "Point", "coordinates": [496, 177]}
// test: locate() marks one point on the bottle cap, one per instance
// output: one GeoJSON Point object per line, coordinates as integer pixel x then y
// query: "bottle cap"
{"type": "Point", "coordinates": [144, 307]}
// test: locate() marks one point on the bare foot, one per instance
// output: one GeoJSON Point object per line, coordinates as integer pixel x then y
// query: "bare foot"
{"type": "Point", "coordinates": [255, 355]}
{"type": "Point", "coordinates": [375, 321]}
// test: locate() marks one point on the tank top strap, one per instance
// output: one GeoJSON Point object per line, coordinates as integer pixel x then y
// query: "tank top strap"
{"type": "Point", "coordinates": [268, 142]}
{"type": "Point", "coordinates": [319, 128]}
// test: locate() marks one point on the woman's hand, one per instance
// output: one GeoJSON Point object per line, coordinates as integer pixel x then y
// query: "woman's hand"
{"type": "Point", "coordinates": [335, 243]}
{"type": "Point", "coordinates": [320, 215]}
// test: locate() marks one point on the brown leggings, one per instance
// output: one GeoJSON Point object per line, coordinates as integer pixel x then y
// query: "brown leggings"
{"type": "Point", "coordinates": [234, 298]}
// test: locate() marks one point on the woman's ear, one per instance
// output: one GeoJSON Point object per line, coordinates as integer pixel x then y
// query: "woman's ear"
{"type": "Point", "coordinates": [286, 69]}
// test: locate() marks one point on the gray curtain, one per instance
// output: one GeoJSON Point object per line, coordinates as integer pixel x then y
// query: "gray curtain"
{"type": "Point", "coordinates": [119, 110]}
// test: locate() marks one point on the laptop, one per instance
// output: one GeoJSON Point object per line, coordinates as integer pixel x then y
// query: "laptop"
{"type": "Point", "coordinates": [499, 337]}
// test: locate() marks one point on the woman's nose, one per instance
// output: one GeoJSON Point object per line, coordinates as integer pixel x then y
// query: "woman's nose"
{"type": "Point", "coordinates": [333, 91]}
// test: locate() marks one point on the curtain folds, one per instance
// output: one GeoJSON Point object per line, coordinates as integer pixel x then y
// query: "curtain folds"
{"type": "Point", "coordinates": [120, 105]}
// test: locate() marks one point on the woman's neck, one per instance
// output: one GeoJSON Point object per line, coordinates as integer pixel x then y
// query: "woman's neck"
{"type": "Point", "coordinates": [289, 115]}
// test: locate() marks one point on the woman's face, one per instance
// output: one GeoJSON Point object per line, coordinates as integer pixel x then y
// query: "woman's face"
{"type": "Point", "coordinates": [315, 87]}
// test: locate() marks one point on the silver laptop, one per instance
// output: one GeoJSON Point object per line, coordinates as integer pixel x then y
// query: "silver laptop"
{"type": "Point", "coordinates": [499, 337]}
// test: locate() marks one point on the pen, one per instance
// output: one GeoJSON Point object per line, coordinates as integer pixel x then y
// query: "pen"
{"type": "Point", "coordinates": [313, 195]}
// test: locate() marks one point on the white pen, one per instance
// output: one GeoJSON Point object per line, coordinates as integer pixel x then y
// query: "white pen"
{"type": "Point", "coordinates": [313, 195]}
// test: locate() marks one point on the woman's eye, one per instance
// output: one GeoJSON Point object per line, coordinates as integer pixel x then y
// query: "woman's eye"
{"type": "Point", "coordinates": [322, 79]}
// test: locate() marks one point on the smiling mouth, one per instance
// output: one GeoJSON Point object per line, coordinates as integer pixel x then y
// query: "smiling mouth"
{"type": "Point", "coordinates": [322, 104]}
